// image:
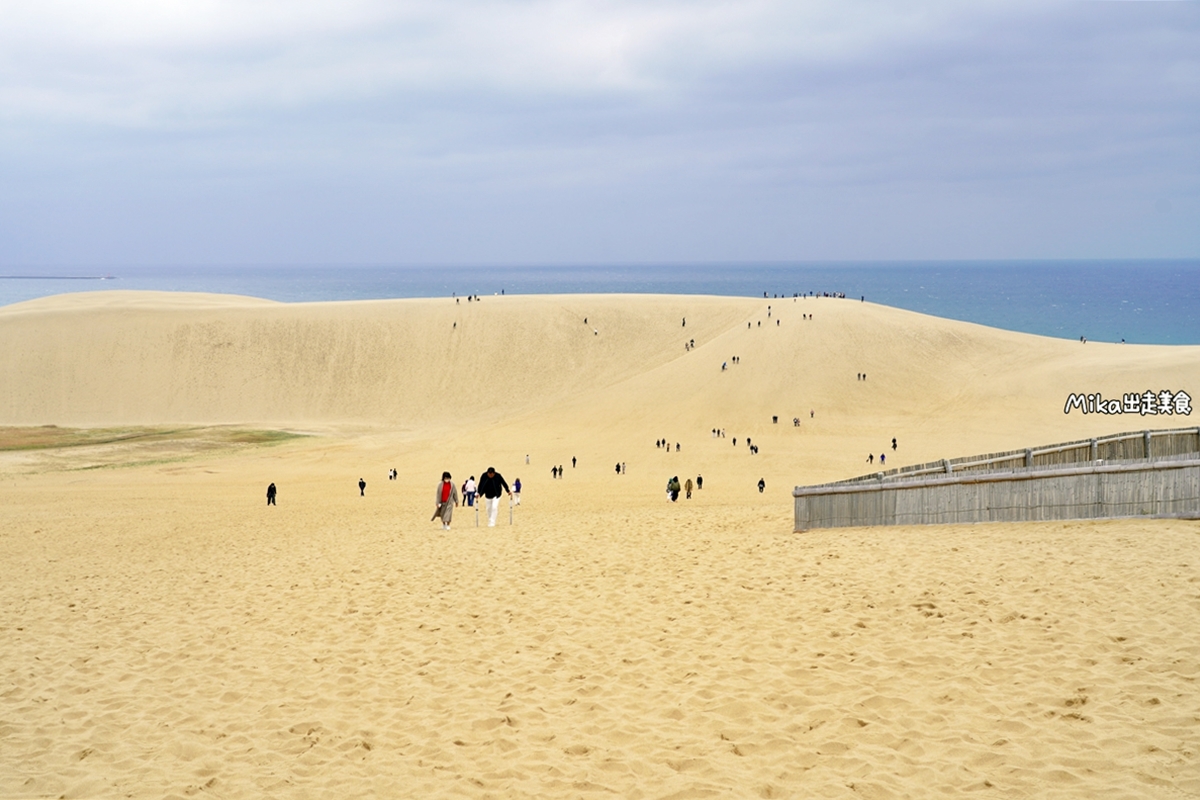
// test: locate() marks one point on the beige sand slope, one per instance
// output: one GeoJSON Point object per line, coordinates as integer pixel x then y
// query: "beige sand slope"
{"type": "Point", "coordinates": [168, 635]}
{"type": "Point", "coordinates": [507, 366]}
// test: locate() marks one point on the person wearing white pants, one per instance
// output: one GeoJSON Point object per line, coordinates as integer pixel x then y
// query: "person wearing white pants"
{"type": "Point", "coordinates": [490, 485]}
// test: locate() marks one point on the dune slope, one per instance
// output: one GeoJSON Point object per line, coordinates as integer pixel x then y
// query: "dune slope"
{"type": "Point", "coordinates": [168, 634]}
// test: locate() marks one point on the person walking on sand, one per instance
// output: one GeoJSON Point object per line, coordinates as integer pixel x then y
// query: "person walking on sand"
{"type": "Point", "coordinates": [271, 495]}
{"type": "Point", "coordinates": [446, 499]}
{"type": "Point", "coordinates": [699, 482]}
{"type": "Point", "coordinates": [673, 488]}
{"type": "Point", "coordinates": [491, 483]}
{"type": "Point", "coordinates": [516, 492]}
{"type": "Point", "coordinates": [362, 488]}
{"type": "Point", "coordinates": [893, 444]}
{"type": "Point", "coordinates": [761, 485]}
{"type": "Point", "coordinates": [687, 489]}
{"type": "Point", "coordinates": [572, 462]}
{"type": "Point", "coordinates": [469, 491]}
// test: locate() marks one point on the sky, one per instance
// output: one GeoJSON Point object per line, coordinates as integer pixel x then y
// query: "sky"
{"type": "Point", "coordinates": [554, 132]}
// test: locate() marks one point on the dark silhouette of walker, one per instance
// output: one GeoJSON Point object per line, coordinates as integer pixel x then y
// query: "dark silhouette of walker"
{"type": "Point", "coordinates": [271, 495]}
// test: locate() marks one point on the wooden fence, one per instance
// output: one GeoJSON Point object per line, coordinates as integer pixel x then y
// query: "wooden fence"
{"type": "Point", "coordinates": [1142, 474]}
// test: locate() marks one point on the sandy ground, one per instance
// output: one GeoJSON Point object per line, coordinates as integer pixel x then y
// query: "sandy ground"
{"type": "Point", "coordinates": [168, 635]}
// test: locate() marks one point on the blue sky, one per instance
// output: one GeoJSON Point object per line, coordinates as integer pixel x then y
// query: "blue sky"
{"type": "Point", "coordinates": [622, 132]}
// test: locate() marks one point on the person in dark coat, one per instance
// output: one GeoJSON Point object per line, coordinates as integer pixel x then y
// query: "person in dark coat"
{"type": "Point", "coordinates": [491, 483]}
{"type": "Point", "coordinates": [271, 495]}
{"type": "Point", "coordinates": [362, 488]}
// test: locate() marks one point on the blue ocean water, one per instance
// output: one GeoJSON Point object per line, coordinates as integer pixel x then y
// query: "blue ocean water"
{"type": "Point", "coordinates": [1150, 302]}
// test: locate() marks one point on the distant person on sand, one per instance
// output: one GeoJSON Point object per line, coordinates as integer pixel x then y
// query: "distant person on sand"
{"type": "Point", "coordinates": [893, 443]}
{"type": "Point", "coordinates": [761, 485]}
{"type": "Point", "coordinates": [516, 492]}
{"type": "Point", "coordinates": [699, 482]}
{"type": "Point", "coordinates": [687, 489]}
{"type": "Point", "coordinates": [469, 491]}
{"type": "Point", "coordinates": [572, 462]}
{"type": "Point", "coordinates": [362, 488]}
{"type": "Point", "coordinates": [870, 458]}
{"type": "Point", "coordinates": [271, 495]}
{"type": "Point", "coordinates": [490, 486]}
{"type": "Point", "coordinates": [618, 467]}
{"type": "Point", "coordinates": [446, 499]}
{"type": "Point", "coordinates": [673, 488]}
{"type": "Point", "coordinates": [882, 459]}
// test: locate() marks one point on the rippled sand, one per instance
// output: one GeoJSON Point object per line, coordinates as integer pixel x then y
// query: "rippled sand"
{"type": "Point", "coordinates": [166, 634]}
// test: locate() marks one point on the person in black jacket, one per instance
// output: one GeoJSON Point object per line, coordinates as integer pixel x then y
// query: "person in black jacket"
{"type": "Point", "coordinates": [491, 483]}
{"type": "Point", "coordinates": [271, 495]}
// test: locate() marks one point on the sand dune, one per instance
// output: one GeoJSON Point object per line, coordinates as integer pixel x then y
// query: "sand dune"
{"type": "Point", "coordinates": [167, 635]}
{"type": "Point", "coordinates": [151, 357]}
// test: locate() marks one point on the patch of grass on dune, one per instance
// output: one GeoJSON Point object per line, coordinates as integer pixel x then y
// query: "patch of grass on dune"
{"type": "Point", "coordinates": [52, 437]}
{"type": "Point", "coordinates": [262, 436]}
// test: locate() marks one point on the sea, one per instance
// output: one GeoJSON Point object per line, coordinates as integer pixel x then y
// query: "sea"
{"type": "Point", "coordinates": [1142, 302]}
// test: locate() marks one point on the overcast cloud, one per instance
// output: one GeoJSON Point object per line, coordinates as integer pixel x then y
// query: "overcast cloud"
{"type": "Point", "coordinates": [570, 132]}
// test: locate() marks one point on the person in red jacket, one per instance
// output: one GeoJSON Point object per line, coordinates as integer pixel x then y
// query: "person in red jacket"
{"type": "Point", "coordinates": [447, 499]}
